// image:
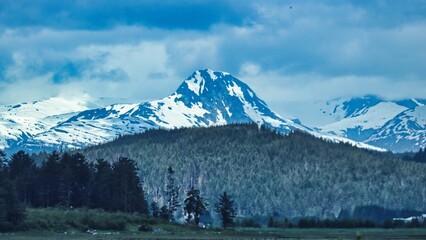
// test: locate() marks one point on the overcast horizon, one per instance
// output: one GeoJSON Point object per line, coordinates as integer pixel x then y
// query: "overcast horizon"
{"type": "Point", "coordinates": [288, 52]}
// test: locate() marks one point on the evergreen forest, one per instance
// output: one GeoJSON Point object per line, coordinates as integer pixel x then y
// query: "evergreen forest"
{"type": "Point", "coordinates": [295, 175]}
{"type": "Point", "coordinates": [185, 175]}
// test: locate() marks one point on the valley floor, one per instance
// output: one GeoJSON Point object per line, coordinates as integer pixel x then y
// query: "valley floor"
{"type": "Point", "coordinates": [185, 233]}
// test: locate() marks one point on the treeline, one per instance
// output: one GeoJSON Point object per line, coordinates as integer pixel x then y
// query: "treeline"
{"type": "Point", "coordinates": [419, 156]}
{"type": "Point", "coordinates": [356, 223]}
{"type": "Point", "coordinates": [365, 217]}
{"type": "Point", "coordinates": [68, 181]}
{"type": "Point", "coordinates": [378, 214]}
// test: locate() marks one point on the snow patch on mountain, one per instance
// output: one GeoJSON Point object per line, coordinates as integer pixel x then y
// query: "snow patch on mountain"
{"type": "Point", "coordinates": [405, 132]}
{"type": "Point", "coordinates": [417, 102]}
{"type": "Point", "coordinates": [371, 118]}
{"type": "Point", "coordinates": [394, 125]}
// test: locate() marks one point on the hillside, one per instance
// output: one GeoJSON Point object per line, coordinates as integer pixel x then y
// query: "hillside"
{"type": "Point", "coordinates": [290, 175]}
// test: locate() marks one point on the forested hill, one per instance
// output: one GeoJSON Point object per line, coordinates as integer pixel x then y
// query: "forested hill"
{"type": "Point", "coordinates": [293, 175]}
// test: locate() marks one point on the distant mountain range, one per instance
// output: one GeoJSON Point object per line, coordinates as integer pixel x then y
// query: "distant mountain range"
{"type": "Point", "coordinates": [394, 125]}
{"type": "Point", "coordinates": [207, 98]}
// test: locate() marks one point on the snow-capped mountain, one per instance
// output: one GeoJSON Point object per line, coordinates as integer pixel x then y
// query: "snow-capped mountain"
{"type": "Point", "coordinates": [21, 122]}
{"type": "Point", "coordinates": [205, 98]}
{"type": "Point", "coordinates": [393, 125]}
{"type": "Point", "coordinates": [405, 132]}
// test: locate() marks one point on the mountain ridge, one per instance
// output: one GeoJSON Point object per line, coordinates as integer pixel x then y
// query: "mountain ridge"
{"type": "Point", "coordinates": [205, 98]}
{"type": "Point", "coordinates": [397, 125]}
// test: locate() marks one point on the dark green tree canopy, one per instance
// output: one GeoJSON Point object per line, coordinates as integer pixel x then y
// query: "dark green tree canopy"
{"type": "Point", "coordinates": [172, 193]}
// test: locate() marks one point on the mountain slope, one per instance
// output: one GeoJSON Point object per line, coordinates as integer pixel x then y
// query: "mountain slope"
{"type": "Point", "coordinates": [405, 132]}
{"type": "Point", "coordinates": [19, 123]}
{"type": "Point", "coordinates": [369, 120]}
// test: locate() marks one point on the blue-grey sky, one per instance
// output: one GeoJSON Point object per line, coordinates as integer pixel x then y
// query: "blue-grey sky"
{"type": "Point", "coordinates": [289, 52]}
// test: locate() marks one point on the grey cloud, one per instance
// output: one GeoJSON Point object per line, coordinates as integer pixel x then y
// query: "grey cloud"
{"type": "Point", "coordinates": [324, 49]}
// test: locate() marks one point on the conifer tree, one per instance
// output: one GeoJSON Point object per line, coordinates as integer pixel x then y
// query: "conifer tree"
{"type": "Point", "coordinates": [271, 222]}
{"type": "Point", "coordinates": [74, 180]}
{"type": "Point", "coordinates": [3, 160]}
{"type": "Point", "coordinates": [129, 195]}
{"type": "Point", "coordinates": [225, 207]}
{"type": "Point", "coordinates": [195, 205]}
{"type": "Point", "coordinates": [155, 210]}
{"type": "Point", "coordinates": [23, 173]}
{"type": "Point", "coordinates": [172, 193]}
{"type": "Point", "coordinates": [12, 213]}
{"type": "Point", "coordinates": [49, 178]}
{"type": "Point", "coordinates": [164, 213]}
{"type": "Point", "coordinates": [102, 195]}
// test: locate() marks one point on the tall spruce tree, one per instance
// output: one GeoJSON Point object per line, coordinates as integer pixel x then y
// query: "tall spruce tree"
{"type": "Point", "coordinates": [23, 173]}
{"type": "Point", "coordinates": [172, 193]}
{"type": "Point", "coordinates": [76, 173]}
{"type": "Point", "coordinates": [225, 207]}
{"type": "Point", "coordinates": [102, 189]}
{"type": "Point", "coordinates": [128, 193]}
{"type": "Point", "coordinates": [12, 213]}
{"type": "Point", "coordinates": [49, 177]}
{"type": "Point", "coordinates": [195, 205]}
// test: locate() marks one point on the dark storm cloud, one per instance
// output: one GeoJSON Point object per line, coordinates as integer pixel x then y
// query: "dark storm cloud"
{"type": "Point", "coordinates": [95, 15]}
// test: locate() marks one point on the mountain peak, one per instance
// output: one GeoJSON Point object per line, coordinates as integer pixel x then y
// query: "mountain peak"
{"type": "Point", "coordinates": [223, 96]}
{"type": "Point", "coordinates": [209, 83]}
{"type": "Point", "coordinates": [209, 74]}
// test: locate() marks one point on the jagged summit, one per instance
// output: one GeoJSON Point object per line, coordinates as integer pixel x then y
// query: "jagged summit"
{"type": "Point", "coordinates": [224, 96]}
{"type": "Point", "coordinates": [207, 85]}
{"type": "Point", "coordinates": [205, 80]}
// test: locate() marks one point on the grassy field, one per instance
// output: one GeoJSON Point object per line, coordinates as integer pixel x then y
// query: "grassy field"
{"type": "Point", "coordinates": [186, 233]}
{"type": "Point", "coordinates": [49, 224]}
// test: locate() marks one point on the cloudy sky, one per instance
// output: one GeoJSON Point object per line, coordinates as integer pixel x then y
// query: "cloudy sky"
{"type": "Point", "coordinates": [289, 52]}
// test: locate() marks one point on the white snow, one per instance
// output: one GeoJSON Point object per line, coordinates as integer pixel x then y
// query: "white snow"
{"type": "Point", "coordinates": [235, 90]}
{"type": "Point", "coordinates": [373, 118]}
{"type": "Point", "coordinates": [176, 113]}
{"type": "Point", "coordinates": [338, 139]}
{"type": "Point", "coordinates": [124, 108]}
{"type": "Point", "coordinates": [194, 85]}
{"type": "Point", "coordinates": [250, 93]}
{"type": "Point", "coordinates": [416, 102]}
{"type": "Point", "coordinates": [212, 75]}
{"type": "Point", "coordinates": [227, 110]}
{"type": "Point", "coordinates": [38, 117]}
{"type": "Point", "coordinates": [418, 115]}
